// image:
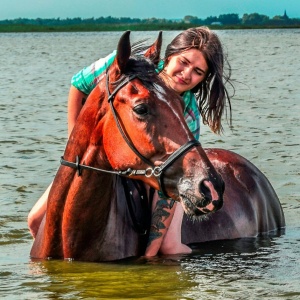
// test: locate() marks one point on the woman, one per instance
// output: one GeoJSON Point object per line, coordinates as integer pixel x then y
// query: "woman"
{"type": "Point", "coordinates": [193, 67]}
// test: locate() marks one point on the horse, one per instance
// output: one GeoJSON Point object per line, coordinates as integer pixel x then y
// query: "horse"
{"type": "Point", "coordinates": [131, 127]}
{"type": "Point", "coordinates": [131, 130]}
{"type": "Point", "coordinates": [251, 206]}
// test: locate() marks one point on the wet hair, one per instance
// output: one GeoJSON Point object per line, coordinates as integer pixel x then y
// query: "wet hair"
{"type": "Point", "coordinates": [211, 94]}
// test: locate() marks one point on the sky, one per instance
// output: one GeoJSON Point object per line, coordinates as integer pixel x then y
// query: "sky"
{"type": "Point", "coordinates": [142, 9]}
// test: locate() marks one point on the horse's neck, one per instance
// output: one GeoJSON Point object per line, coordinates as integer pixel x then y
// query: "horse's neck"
{"type": "Point", "coordinates": [84, 219]}
{"type": "Point", "coordinates": [77, 212]}
{"type": "Point", "coordinates": [95, 223]}
{"type": "Point", "coordinates": [88, 199]}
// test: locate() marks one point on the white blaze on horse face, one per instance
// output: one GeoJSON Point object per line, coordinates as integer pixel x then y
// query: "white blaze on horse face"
{"type": "Point", "coordinates": [162, 95]}
{"type": "Point", "coordinates": [160, 92]}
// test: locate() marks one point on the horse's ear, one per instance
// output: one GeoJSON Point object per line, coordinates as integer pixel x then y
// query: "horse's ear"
{"type": "Point", "coordinates": [123, 53]}
{"type": "Point", "coordinates": [154, 51]}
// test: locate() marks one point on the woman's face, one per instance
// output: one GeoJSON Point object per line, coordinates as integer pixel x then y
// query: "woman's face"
{"type": "Point", "coordinates": [185, 70]}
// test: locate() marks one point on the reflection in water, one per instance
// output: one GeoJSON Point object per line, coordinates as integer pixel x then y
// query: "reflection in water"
{"type": "Point", "coordinates": [218, 269]}
{"type": "Point", "coordinates": [160, 279]}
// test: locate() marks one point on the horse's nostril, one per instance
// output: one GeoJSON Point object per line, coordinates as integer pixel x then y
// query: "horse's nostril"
{"type": "Point", "coordinates": [210, 195]}
{"type": "Point", "coordinates": [205, 191]}
{"type": "Point", "coordinates": [217, 204]}
{"type": "Point", "coordinates": [208, 190]}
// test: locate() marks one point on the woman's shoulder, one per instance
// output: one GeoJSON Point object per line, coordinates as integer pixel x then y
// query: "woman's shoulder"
{"type": "Point", "coordinates": [101, 64]}
{"type": "Point", "coordinates": [87, 78]}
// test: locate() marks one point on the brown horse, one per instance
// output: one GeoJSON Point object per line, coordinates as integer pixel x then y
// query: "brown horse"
{"type": "Point", "coordinates": [251, 207]}
{"type": "Point", "coordinates": [131, 125]}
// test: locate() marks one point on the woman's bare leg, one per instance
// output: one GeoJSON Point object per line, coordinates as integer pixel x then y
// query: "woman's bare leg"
{"type": "Point", "coordinates": [37, 213]}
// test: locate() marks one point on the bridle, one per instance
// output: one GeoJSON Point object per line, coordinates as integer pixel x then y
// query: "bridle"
{"type": "Point", "coordinates": [153, 170]}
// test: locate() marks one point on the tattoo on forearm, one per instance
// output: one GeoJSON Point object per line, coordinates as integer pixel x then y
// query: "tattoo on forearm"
{"type": "Point", "coordinates": [160, 214]}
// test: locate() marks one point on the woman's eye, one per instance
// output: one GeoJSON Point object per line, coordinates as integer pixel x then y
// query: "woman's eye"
{"type": "Point", "coordinates": [199, 73]}
{"type": "Point", "coordinates": [141, 109]}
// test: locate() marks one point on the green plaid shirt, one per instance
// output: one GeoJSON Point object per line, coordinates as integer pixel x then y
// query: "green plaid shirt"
{"type": "Point", "coordinates": [86, 80]}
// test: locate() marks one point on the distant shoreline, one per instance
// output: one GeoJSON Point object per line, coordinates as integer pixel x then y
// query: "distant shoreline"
{"type": "Point", "coordinates": [123, 27]}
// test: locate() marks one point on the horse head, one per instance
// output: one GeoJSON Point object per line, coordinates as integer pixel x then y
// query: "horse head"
{"type": "Point", "coordinates": [133, 124]}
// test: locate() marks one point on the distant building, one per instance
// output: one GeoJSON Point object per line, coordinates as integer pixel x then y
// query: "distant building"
{"type": "Point", "coordinates": [285, 16]}
{"type": "Point", "coordinates": [217, 23]}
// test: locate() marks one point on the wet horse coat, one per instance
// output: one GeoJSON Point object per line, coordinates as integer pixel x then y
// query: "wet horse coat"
{"type": "Point", "coordinates": [251, 207]}
{"type": "Point", "coordinates": [87, 217]}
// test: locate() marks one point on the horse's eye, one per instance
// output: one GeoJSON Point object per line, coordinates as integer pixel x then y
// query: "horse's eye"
{"type": "Point", "coordinates": [141, 109]}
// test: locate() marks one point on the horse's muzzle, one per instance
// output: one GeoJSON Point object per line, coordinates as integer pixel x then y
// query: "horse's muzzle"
{"type": "Point", "coordinates": [209, 200]}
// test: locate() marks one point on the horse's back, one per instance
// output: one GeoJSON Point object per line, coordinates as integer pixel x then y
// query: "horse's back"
{"type": "Point", "coordinates": [251, 206]}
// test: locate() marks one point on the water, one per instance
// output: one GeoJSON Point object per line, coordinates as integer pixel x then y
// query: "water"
{"type": "Point", "coordinates": [35, 72]}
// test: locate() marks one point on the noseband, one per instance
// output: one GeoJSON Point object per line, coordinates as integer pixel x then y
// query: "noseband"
{"type": "Point", "coordinates": [153, 170]}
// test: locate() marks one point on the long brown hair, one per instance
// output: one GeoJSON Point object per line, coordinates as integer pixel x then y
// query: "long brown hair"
{"type": "Point", "coordinates": [211, 93]}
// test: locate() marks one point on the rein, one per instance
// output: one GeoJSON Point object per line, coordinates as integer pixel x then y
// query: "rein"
{"type": "Point", "coordinates": [153, 170]}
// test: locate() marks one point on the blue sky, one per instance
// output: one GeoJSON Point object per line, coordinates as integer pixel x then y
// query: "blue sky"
{"type": "Point", "coordinates": [169, 9]}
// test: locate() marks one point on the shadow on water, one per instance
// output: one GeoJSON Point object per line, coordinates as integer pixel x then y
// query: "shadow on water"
{"type": "Point", "coordinates": [240, 246]}
{"type": "Point", "coordinates": [216, 269]}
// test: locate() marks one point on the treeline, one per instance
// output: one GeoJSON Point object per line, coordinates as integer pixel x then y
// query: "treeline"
{"type": "Point", "coordinates": [112, 23]}
{"type": "Point", "coordinates": [225, 19]}
{"type": "Point", "coordinates": [247, 19]}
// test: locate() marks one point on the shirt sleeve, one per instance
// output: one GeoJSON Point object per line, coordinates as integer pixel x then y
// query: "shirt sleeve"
{"type": "Point", "coordinates": [191, 113]}
{"type": "Point", "coordinates": [87, 79]}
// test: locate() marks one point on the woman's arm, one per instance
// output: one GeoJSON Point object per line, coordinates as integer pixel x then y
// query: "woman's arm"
{"type": "Point", "coordinates": [162, 215]}
{"type": "Point", "coordinates": [165, 230]}
{"type": "Point", "coordinates": [76, 100]}
{"type": "Point", "coordinates": [37, 213]}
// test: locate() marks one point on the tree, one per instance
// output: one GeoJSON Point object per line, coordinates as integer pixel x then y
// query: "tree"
{"type": "Point", "coordinates": [210, 20]}
{"type": "Point", "coordinates": [229, 19]}
{"type": "Point", "coordinates": [254, 19]}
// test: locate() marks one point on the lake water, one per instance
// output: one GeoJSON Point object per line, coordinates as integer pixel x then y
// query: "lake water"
{"type": "Point", "coordinates": [35, 72]}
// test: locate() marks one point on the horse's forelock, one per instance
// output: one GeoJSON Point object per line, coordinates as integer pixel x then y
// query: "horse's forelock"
{"type": "Point", "coordinates": [141, 67]}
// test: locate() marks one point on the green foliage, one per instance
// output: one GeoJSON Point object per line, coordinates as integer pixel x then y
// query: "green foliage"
{"type": "Point", "coordinates": [254, 19]}
{"type": "Point", "coordinates": [225, 21]}
{"type": "Point", "coordinates": [229, 19]}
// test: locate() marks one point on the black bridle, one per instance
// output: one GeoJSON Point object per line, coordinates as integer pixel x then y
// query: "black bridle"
{"type": "Point", "coordinates": [153, 170]}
